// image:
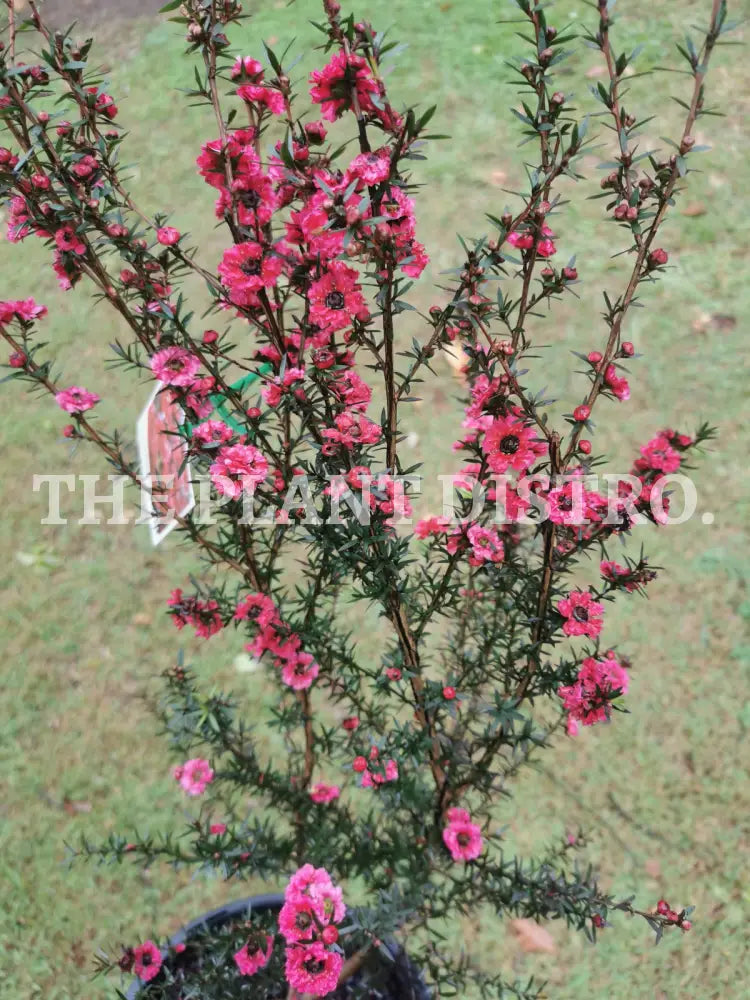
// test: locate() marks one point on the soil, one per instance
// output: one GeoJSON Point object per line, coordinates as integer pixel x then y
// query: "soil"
{"type": "Point", "coordinates": [91, 13]}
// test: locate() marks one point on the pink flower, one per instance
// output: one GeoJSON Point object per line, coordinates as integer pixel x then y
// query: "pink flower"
{"type": "Point", "coordinates": [298, 919]}
{"type": "Point", "coordinates": [511, 444]}
{"type": "Point", "coordinates": [352, 429]}
{"type": "Point", "coordinates": [660, 455]}
{"type": "Point", "coordinates": [247, 66]}
{"type": "Point", "coordinates": [616, 384]}
{"type": "Point", "coordinates": [332, 86]}
{"type": "Point", "coordinates": [264, 96]}
{"type": "Point", "coordinates": [258, 608]}
{"type": "Point", "coordinates": [23, 309]}
{"type": "Point", "coordinates": [68, 240]}
{"type": "Point", "coordinates": [147, 961]}
{"type": "Point", "coordinates": [371, 778]}
{"type": "Point", "coordinates": [217, 829]}
{"type": "Point", "coordinates": [462, 837]}
{"type": "Point", "coordinates": [316, 884]}
{"type": "Point", "coordinates": [167, 235]}
{"type": "Point", "coordinates": [238, 467]}
{"type": "Point", "coordinates": [598, 682]}
{"type": "Point", "coordinates": [322, 794]}
{"type": "Point", "coordinates": [250, 957]}
{"type": "Point", "coordinates": [313, 969]}
{"type": "Point", "coordinates": [194, 775]}
{"type": "Point", "coordinates": [204, 616]}
{"type": "Point", "coordinates": [299, 671]}
{"type": "Point", "coordinates": [583, 614]}
{"type": "Point", "coordinates": [487, 546]}
{"type": "Point", "coordinates": [175, 366]}
{"type": "Point", "coordinates": [245, 269]}
{"type": "Point", "coordinates": [572, 504]}
{"type": "Point", "coordinates": [76, 400]}
{"type": "Point", "coordinates": [431, 526]}
{"type": "Point", "coordinates": [336, 298]}
{"type": "Point", "coordinates": [623, 576]}
{"type": "Point", "coordinates": [372, 168]}
{"type": "Point", "coordinates": [212, 432]}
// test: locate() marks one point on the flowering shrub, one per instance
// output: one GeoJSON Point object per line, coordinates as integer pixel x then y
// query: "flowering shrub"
{"type": "Point", "coordinates": [394, 763]}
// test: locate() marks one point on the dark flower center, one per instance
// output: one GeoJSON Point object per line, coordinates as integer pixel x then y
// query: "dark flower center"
{"type": "Point", "coordinates": [510, 444]}
{"type": "Point", "coordinates": [250, 267]}
{"type": "Point", "coordinates": [314, 966]}
{"type": "Point", "coordinates": [335, 300]}
{"type": "Point", "coordinates": [565, 502]}
{"type": "Point", "coordinates": [303, 920]}
{"type": "Point", "coordinates": [146, 959]}
{"type": "Point", "coordinates": [463, 839]}
{"type": "Point", "coordinates": [581, 614]}
{"type": "Point", "coordinates": [250, 199]}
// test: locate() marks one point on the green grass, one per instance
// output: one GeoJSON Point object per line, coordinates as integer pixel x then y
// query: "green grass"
{"type": "Point", "coordinates": [84, 626]}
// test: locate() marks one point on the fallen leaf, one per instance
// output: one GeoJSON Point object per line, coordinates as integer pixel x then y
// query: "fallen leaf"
{"type": "Point", "coordinates": [694, 209]}
{"type": "Point", "coordinates": [532, 937]}
{"type": "Point", "coordinates": [714, 321]}
{"type": "Point", "coordinates": [74, 806]}
{"type": "Point", "coordinates": [653, 868]}
{"type": "Point", "coordinates": [721, 321]}
{"type": "Point", "coordinates": [456, 359]}
{"type": "Point", "coordinates": [245, 664]}
{"type": "Point", "coordinates": [79, 953]}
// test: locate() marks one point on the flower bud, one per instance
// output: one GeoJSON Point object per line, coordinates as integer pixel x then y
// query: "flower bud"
{"type": "Point", "coordinates": [658, 258]}
{"type": "Point", "coordinates": [582, 412]}
{"type": "Point", "coordinates": [584, 446]}
{"type": "Point", "coordinates": [627, 349]}
{"type": "Point", "coordinates": [594, 357]}
{"type": "Point", "coordinates": [687, 144]}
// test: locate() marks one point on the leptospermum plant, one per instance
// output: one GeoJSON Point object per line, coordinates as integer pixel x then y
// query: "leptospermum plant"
{"type": "Point", "coordinates": [380, 816]}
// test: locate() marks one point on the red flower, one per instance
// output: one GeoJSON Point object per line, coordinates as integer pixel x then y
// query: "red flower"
{"type": "Point", "coordinates": [462, 837]}
{"type": "Point", "coordinates": [583, 614]}
{"type": "Point", "coordinates": [147, 961]}
{"type": "Point", "coordinates": [598, 682]}
{"type": "Point", "coordinates": [332, 86]}
{"type": "Point", "coordinates": [245, 269]}
{"type": "Point", "coordinates": [336, 298]}
{"type": "Point", "coordinates": [511, 444]}
{"type": "Point", "coordinates": [167, 236]}
{"type": "Point", "coordinates": [264, 96]}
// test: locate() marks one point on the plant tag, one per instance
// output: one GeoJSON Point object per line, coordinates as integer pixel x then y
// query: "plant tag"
{"type": "Point", "coordinates": [167, 490]}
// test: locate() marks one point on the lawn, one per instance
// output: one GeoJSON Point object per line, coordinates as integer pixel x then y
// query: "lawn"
{"type": "Point", "coordinates": [664, 792]}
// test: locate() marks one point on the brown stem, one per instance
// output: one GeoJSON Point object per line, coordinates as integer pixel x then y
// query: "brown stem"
{"type": "Point", "coordinates": [613, 340]}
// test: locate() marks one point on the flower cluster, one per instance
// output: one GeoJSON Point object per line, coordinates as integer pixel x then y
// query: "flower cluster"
{"type": "Point", "coordinates": [315, 348]}
{"type": "Point", "coordinates": [313, 906]}
{"type": "Point", "coordinates": [598, 683]}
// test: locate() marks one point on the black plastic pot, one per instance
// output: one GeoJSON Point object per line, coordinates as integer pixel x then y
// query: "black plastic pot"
{"type": "Point", "coordinates": [398, 979]}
